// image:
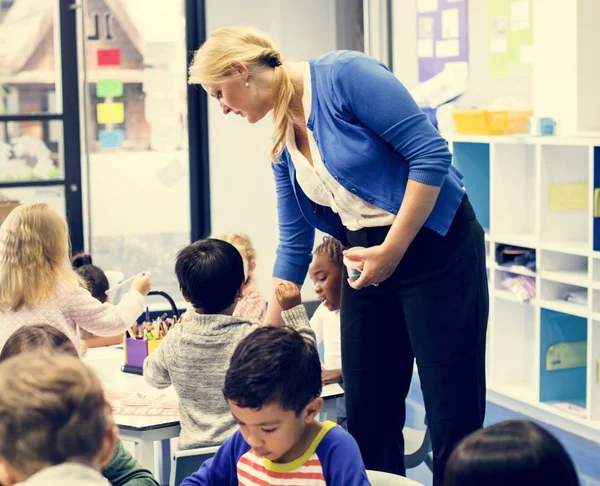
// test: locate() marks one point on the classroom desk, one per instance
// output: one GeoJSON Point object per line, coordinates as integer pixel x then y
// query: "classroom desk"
{"type": "Point", "coordinates": [145, 430]}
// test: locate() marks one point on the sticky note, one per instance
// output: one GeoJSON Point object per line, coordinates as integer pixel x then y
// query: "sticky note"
{"type": "Point", "coordinates": [106, 88]}
{"type": "Point", "coordinates": [566, 197]}
{"type": "Point", "coordinates": [159, 53]}
{"type": "Point", "coordinates": [158, 81]}
{"type": "Point", "coordinates": [111, 138]}
{"type": "Point", "coordinates": [109, 57]}
{"type": "Point", "coordinates": [164, 110]}
{"type": "Point", "coordinates": [110, 113]}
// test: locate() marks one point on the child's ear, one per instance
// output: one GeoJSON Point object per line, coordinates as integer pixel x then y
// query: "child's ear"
{"type": "Point", "coordinates": [109, 446]}
{"type": "Point", "coordinates": [251, 267]}
{"type": "Point", "coordinates": [312, 409]}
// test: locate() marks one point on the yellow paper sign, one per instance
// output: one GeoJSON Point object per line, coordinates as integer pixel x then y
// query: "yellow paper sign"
{"type": "Point", "coordinates": [567, 197]}
{"type": "Point", "coordinates": [110, 113]}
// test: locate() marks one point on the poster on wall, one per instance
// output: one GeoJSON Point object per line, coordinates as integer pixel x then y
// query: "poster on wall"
{"type": "Point", "coordinates": [442, 35]}
{"type": "Point", "coordinates": [510, 38]}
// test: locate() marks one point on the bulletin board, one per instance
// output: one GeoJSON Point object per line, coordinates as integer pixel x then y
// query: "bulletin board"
{"type": "Point", "coordinates": [442, 35]}
{"type": "Point", "coordinates": [510, 38]}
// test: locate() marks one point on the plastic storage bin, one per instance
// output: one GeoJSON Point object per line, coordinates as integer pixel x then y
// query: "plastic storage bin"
{"type": "Point", "coordinates": [484, 122]}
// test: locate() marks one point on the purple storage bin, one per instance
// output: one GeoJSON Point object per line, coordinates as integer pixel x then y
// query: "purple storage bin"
{"type": "Point", "coordinates": [137, 351]}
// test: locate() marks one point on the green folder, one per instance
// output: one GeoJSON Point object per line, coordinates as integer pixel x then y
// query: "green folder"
{"type": "Point", "coordinates": [564, 356]}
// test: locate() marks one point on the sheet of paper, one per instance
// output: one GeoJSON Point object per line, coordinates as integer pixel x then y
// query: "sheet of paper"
{"type": "Point", "coordinates": [447, 48]}
{"type": "Point", "coordinates": [425, 48]}
{"type": "Point", "coordinates": [158, 80]}
{"type": "Point", "coordinates": [424, 6]}
{"type": "Point", "coordinates": [426, 25]}
{"type": "Point", "coordinates": [161, 109]}
{"type": "Point", "coordinates": [526, 54]}
{"type": "Point", "coordinates": [110, 113]}
{"type": "Point", "coordinates": [159, 53]}
{"type": "Point", "coordinates": [442, 87]}
{"type": "Point", "coordinates": [165, 136]}
{"type": "Point", "coordinates": [519, 15]}
{"type": "Point", "coordinates": [498, 45]}
{"type": "Point", "coordinates": [450, 23]}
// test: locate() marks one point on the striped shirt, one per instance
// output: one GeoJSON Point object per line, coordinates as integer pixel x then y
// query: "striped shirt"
{"type": "Point", "coordinates": [332, 459]}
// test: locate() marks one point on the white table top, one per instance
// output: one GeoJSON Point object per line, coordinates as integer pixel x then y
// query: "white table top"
{"type": "Point", "coordinates": [107, 362]}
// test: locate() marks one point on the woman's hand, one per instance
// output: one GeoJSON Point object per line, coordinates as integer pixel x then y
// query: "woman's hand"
{"type": "Point", "coordinates": [378, 263]}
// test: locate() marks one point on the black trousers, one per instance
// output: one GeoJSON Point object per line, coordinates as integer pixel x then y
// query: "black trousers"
{"type": "Point", "coordinates": [433, 308]}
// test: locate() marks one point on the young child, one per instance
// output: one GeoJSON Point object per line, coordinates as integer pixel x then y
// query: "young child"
{"type": "Point", "coordinates": [38, 285]}
{"type": "Point", "coordinates": [515, 453]}
{"type": "Point", "coordinates": [123, 469]}
{"type": "Point", "coordinates": [56, 427]}
{"type": "Point", "coordinates": [325, 272]}
{"type": "Point", "coordinates": [273, 389]}
{"type": "Point", "coordinates": [251, 304]}
{"type": "Point", "coordinates": [96, 282]}
{"type": "Point", "coordinates": [194, 356]}
{"type": "Point", "coordinates": [94, 277]}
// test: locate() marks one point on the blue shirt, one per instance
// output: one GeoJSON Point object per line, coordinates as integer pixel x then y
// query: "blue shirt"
{"type": "Point", "coordinates": [372, 138]}
{"type": "Point", "coordinates": [332, 459]}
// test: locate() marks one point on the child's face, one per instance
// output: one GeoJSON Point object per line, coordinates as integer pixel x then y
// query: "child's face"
{"type": "Point", "coordinates": [327, 277]}
{"type": "Point", "coordinates": [276, 434]}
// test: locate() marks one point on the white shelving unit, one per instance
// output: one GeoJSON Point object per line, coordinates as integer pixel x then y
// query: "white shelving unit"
{"type": "Point", "coordinates": [508, 180]}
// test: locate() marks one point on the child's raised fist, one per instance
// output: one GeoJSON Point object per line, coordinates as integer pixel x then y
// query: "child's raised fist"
{"type": "Point", "coordinates": [288, 295]}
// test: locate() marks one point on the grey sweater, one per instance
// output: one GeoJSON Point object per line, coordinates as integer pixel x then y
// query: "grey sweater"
{"type": "Point", "coordinates": [67, 474]}
{"type": "Point", "coordinates": [194, 357]}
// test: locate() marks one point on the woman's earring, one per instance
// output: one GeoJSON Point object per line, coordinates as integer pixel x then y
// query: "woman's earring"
{"type": "Point", "coordinates": [247, 84]}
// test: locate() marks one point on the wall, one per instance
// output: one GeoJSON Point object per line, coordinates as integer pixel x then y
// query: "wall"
{"type": "Point", "coordinates": [481, 90]}
{"type": "Point", "coordinates": [242, 186]}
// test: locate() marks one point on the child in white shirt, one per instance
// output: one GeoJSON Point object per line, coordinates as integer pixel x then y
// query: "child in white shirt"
{"type": "Point", "coordinates": [326, 273]}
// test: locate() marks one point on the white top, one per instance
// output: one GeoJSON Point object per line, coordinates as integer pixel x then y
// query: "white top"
{"type": "Point", "coordinates": [326, 325]}
{"type": "Point", "coordinates": [320, 186]}
{"type": "Point", "coordinates": [68, 474]}
{"type": "Point", "coordinates": [73, 308]}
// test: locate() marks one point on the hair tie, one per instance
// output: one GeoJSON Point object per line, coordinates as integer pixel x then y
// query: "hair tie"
{"type": "Point", "coordinates": [274, 62]}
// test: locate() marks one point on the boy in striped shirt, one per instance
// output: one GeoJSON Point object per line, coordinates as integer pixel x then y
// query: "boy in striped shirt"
{"type": "Point", "coordinates": [273, 389]}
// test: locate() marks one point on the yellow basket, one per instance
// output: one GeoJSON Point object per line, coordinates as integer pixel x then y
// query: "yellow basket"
{"type": "Point", "coordinates": [484, 122]}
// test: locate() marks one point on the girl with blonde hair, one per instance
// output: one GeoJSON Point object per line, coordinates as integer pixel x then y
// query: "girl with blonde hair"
{"type": "Point", "coordinates": [39, 286]}
{"type": "Point", "coordinates": [251, 306]}
{"type": "Point", "coordinates": [356, 158]}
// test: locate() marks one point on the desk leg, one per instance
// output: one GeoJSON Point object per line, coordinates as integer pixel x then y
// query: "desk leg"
{"type": "Point", "coordinates": [144, 453]}
{"type": "Point", "coordinates": [329, 411]}
{"type": "Point", "coordinates": [164, 462]}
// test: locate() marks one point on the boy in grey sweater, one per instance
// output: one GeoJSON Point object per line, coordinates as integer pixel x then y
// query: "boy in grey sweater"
{"type": "Point", "coordinates": [195, 355]}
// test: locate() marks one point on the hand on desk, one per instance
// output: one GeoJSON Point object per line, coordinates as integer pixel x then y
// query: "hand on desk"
{"type": "Point", "coordinates": [331, 376]}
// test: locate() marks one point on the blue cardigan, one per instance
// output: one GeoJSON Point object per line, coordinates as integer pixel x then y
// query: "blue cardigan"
{"type": "Point", "coordinates": [372, 138]}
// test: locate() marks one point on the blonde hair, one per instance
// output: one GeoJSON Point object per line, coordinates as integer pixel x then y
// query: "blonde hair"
{"type": "Point", "coordinates": [242, 240]}
{"type": "Point", "coordinates": [52, 410]}
{"type": "Point", "coordinates": [34, 256]}
{"type": "Point", "coordinates": [212, 64]}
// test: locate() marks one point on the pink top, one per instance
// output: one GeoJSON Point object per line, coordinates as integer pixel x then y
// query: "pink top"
{"type": "Point", "coordinates": [251, 306]}
{"type": "Point", "coordinates": [72, 309]}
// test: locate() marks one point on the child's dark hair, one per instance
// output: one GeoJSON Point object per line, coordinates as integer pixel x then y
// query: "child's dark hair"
{"type": "Point", "coordinates": [37, 338]}
{"type": "Point", "coordinates": [274, 365]}
{"type": "Point", "coordinates": [515, 453]}
{"type": "Point", "coordinates": [94, 277]}
{"type": "Point", "coordinates": [210, 274]}
{"type": "Point", "coordinates": [332, 248]}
